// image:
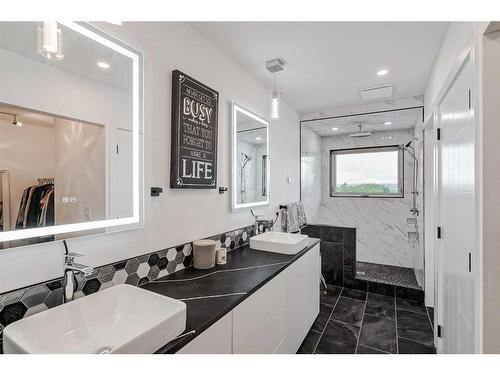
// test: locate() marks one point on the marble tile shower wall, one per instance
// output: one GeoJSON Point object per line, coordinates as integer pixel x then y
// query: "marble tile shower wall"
{"type": "Point", "coordinates": [381, 223]}
{"type": "Point", "coordinates": [310, 175]}
{"type": "Point", "coordinates": [20, 303]}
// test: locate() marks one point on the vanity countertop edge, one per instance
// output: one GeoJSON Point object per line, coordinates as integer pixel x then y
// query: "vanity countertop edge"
{"type": "Point", "coordinates": [211, 294]}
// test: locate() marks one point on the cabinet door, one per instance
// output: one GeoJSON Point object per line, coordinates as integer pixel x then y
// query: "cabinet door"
{"type": "Point", "coordinates": [259, 322]}
{"type": "Point", "coordinates": [215, 340]}
{"type": "Point", "coordinates": [302, 298]}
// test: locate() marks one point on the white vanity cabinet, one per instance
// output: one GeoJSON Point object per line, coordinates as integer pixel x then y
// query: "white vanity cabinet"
{"type": "Point", "coordinates": [274, 319]}
{"type": "Point", "coordinates": [259, 322]}
{"type": "Point", "coordinates": [215, 340]}
{"type": "Point", "coordinates": [302, 297]}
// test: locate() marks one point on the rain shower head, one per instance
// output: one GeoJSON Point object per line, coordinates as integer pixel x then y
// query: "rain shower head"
{"type": "Point", "coordinates": [360, 133]}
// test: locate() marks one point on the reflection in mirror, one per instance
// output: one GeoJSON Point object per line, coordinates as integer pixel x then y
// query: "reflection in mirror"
{"type": "Point", "coordinates": [250, 159]}
{"type": "Point", "coordinates": [69, 132]}
{"type": "Point", "coordinates": [4, 200]}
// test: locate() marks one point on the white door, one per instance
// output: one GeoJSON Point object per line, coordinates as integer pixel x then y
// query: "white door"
{"type": "Point", "coordinates": [456, 215]}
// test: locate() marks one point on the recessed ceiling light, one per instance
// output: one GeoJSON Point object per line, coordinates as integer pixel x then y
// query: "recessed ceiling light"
{"type": "Point", "coordinates": [258, 138]}
{"type": "Point", "coordinates": [382, 72]}
{"type": "Point", "coordinates": [118, 23]}
{"type": "Point", "coordinates": [387, 123]}
{"type": "Point", "coordinates": [335, 129]}
{"type": "Point", "coordinates": [103, 65]}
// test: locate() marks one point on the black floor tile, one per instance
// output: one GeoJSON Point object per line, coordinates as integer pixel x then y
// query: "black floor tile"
{"type": "Point", "coordinates": [320, 322]}
{"type": "Point", "coordinates": [414, 326]}
{"type": "Point", "coordinates": [416, 307]}
{"type": "Point", "coordinates": [379, 288]}
{"type": "Point", "coordinates": [329, 295]}
{"type": "Point", "coordinates": [430, 311]}
{"type": "Point", "coordinates": [349, 311]}
{"type": "Point", "coordinates": [353, 293]}
{"type": "Point", "coordinates": [380, 305]}
{"type": "Point", "coordinates": [327, 309]}
{"type": "Point", "coordinates": [366, 350]}
{"type": "Point", "coordinates": [309, 343]}
{"type": "Point", "coordinates": [350, 280]}
{"type": "Point", "coordinates": [416, 295]}
{"type": "Point", "coordinates": [338, 338]}
{"type": "Point", "coordinates": [378, 333]}
{"type": "Point", "coordinates": [413, 347]}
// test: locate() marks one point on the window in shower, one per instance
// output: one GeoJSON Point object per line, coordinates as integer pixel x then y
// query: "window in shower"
{"type": "Point", "coordinates": [367, 172]}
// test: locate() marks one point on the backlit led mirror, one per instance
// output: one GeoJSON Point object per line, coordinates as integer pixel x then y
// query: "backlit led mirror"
{"type": "Point", "coordinates": [70, 125]}
{"type": "Point", "coordinates": [250, 159]}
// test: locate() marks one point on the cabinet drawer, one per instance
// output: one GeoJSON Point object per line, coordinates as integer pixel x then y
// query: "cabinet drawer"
{"type": "Point", "coordinates": [259, 322]}
{"type": "Point", "coordinates": [215, 340]}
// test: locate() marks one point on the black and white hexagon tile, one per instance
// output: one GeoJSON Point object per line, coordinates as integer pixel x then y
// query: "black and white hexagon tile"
{"type": "Point", "coordinates": [19, 303]}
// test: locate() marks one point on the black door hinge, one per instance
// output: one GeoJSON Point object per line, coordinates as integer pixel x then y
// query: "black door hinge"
{"type": "Point", "coordinates": [438, 135]}
{"type": "Point", "coordinates": [439, 332]}
{"type": "Point", "coordinates": [117, 149]}
{"type": "Point", "coordinates": [470, 99]}
{"type": "Point", "coordinates": [470, 262]}
{"type": "Point", "coordinates": [438, 232]}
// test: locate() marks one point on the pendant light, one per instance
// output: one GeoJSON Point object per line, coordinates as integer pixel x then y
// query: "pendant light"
{"type": "Point", "coordinates": [50, 41]}
{"type": "Point", "coordinates": [275, 101]}
{"type": "Point", "coordinates": [274, 66]}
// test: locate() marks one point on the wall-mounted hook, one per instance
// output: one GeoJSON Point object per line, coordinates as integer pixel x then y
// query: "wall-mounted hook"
{"type": "Point", "coordinates": [222, 189]}
{"type": "Point", "coordinates": [156, 191]}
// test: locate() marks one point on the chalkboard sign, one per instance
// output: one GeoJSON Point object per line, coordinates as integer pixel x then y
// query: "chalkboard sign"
{"type": "Point", "coordinates": [194, 134]}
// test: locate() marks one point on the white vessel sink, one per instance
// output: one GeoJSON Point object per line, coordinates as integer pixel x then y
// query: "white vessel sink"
{"type": "Point", "coordinates": [120, 319]}
{"type": "Point", "coordinates": [279, 242]}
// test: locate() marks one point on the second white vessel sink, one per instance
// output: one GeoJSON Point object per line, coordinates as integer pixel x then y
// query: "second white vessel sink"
{"type": "Point", "coordinates": [120, 319]}
{"type": "Point", "coordinates": [279, 242]}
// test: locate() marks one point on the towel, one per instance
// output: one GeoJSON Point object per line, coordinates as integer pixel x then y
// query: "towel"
{"type": "Point", "coordinates": [293, 218]}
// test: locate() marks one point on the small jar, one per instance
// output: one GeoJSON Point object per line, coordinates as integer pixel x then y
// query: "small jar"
{"type": "Point", "coordinates": [203, 254]}
{"type": "Point", "coordinates": [221, 255]}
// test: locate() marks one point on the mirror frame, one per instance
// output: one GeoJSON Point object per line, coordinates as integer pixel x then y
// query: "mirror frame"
{"type": "Point", "coordinates": [89, 31]}
{"type": "Point", "coordinates": [235, 206]}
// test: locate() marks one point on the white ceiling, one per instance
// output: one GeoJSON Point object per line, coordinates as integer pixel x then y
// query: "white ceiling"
{"type": "Point", "coordinates": [328, 63]}
{"type": "Point", "coordinates": [406, 119]}
{"type": "Point", "coordinates": [81, 54]}
{"type": "Point", "coordinates": [250, 130]}
{"type": "Point", "coordinates": [26, 116]}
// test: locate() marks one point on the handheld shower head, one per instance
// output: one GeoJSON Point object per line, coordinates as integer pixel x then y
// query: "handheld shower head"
{"type": "Point", "coordinates": [246, 157]}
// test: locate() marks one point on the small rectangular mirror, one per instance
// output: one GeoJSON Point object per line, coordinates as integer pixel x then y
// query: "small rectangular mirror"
{"type": "Point", "coordinates": [250, 159]}
{"type": "Point", "coordinates": [70, 123]}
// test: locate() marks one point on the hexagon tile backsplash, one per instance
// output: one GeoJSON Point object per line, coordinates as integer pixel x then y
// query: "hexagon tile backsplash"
{"type": "Point", "coordinates": [19, 303]}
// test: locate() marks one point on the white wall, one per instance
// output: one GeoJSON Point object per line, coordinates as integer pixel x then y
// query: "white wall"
{"type": "Point", "coordinates": [452, 48]}
{"type": "Point", "coordinates": [460, 37]}
{"type": "Point", "coordinates": [381, 226]}
{"type": "Point", "coordinates": [177, 216]}
{"type": "Point", "coordinates": [491, 214]}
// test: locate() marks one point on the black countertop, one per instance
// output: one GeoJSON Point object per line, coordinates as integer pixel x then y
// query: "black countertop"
{"type": "Point", "coordinates": [211, 294]}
